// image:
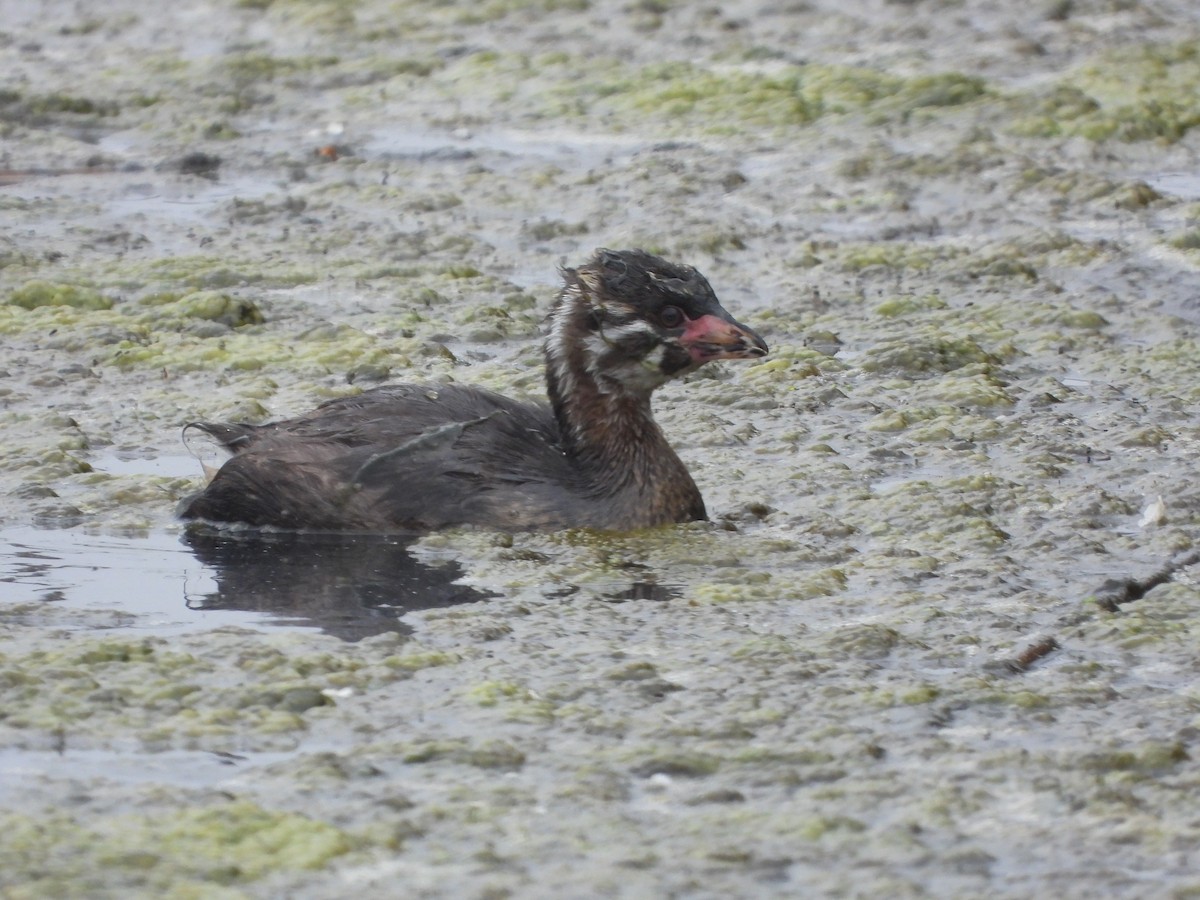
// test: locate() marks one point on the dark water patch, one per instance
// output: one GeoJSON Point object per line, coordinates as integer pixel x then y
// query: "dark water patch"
{"type": "Point", "coordinates": [104, 581]}
{"type": "Point", "coordinates": [644, 590]}
{"type": "Point", "coordinates": [350, 586]}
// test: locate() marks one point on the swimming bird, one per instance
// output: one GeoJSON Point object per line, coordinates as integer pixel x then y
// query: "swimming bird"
{"type": "Point", "coordinates": [419, 457]}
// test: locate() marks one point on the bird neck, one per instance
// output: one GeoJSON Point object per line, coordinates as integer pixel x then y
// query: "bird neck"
{"type": "Point", "coordinates": [608, 431]}
{"type": "Point", "coordinates": [604, 423]}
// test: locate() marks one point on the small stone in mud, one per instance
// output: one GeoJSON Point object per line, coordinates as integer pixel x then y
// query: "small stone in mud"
{"type": "Point", "coordinates": [198, 163]}
{"type": "Point", "coordinates": [824, 342]}
{"type": "Point", "coordinates": [368, 372]}
{"type": "Point", "coordinates": [295, 700]}
{"type": "Point", "coordinates": [33, 491]}
{"type": "Point", "coordinates": [491, 755]}
{"type": "Point", "coordinates": [721, 795]}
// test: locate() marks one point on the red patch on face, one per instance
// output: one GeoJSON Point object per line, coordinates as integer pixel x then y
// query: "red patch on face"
{"type": "Point", "coordinates": [711, 337]}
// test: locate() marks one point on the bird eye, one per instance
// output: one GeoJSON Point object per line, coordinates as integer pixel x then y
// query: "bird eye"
{"type": "Point", "coordinates": [671, 316]}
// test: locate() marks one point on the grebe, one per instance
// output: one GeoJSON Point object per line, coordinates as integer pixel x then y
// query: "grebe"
{"type": "Point", "coordinates": [412, 457]}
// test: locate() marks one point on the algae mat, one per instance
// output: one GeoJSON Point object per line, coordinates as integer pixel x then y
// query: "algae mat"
{"type": "Point", "coordinates": [939, 639]}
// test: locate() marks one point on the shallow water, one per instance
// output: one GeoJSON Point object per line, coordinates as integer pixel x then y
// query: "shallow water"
{"type": "Point", "coordinates": [180, 579]}
{"type": "Point", "coordinates": [179, 768]}
{"type": "Point", "coordinates": [931, 645]}
{"type": "Point", "coordinates": [176, 583]}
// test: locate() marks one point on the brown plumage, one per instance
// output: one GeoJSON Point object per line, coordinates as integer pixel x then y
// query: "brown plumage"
{"type": "Point", "coordinates": [420, 457]}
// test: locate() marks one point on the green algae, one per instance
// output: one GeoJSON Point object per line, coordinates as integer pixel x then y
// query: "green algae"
{"type": "Point", "coordinates": [1150, 758]}
{"type": "Point", "coordinates": [209, 306]}
{"type": "Point", "coordinates": [121, 652]}
{"type": "Point", "coordinates": [634, 671]}
{"type": "Point", "coordinates": [886, 519]}
{"type": "Point", "coordinates": [682, 90]}
{"type": "Point", "coordinates": [954, 514]}
{"type": "Point", "coordinates": [211, 272]}
{"type": "Point", "coordinates": [491, 693]}
{"type": "Point", "coordinates": [1085, 186]}
{"type": "Point", "coordinates": [416, 660]}
{"type": "Point", "coordinates": [151, 694]}
{"type": "Point", "coordinates": [296, 699]}
{"type": "Point", "coordinates": [770, 647]}
{"type": "Point", "coordinates": [35, 294]}
{"type": "Point", "coordinates": [516, 701]}
{"type": "Point", "coordinates": [969, 390]}
{"type": "Point", "coordinates": [1139, 93]}
{"type": "Point", "coordinates": [149, 337]}
{"type": "Point", "coordinates": [864, 641]}
{"type": "Point", "coordinates": [675, 763]}
{"type": "Point", "coordinates": [17, 107]}
{"type": "Point", "coordinates": [1085, 319]}
{"type": "Point", "coordinates": [822, 583]}
{"type": "Point", "coordinates": [927, 355]}
{"type": "Point", "coordinates": [909, 306]}
{"type": "Point", "coordinates": [1187, 240]}
{"type": "Point", "coordinates": [496, 9]}
{"type": "Point", "coordinates": [893, 255]}
{"type": "Point", "coordinates": [230, 843]}
{"type": "Point", "coordinates": [718, 98]}
{"type": "Point", "coordinates": [761, 757]}
{"type": "Point", "coordinates": [252, 68]}
{"type": "Point", "coordinates": [486, 754]}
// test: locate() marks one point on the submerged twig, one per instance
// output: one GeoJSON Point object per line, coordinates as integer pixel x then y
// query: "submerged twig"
{"type": "Point", "coordinates": [1117, 591]}
{"type": "Point", "coordinates": [1031, 654]}
{"type": "Point", "coordinates": [1023, 661]}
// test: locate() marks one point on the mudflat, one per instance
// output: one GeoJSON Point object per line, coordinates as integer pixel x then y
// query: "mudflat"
{"type": "Point", "coordinates": [940, 637]}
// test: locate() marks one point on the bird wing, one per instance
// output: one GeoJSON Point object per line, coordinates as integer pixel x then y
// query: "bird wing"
{"type": "Point", "coordinates": [403, 456]}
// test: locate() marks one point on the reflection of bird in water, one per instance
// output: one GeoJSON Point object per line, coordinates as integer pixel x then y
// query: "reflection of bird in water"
{"type": "Point", "coordinates": [418, 457]}
{"type": "Point", "coordinates": [350, 586]}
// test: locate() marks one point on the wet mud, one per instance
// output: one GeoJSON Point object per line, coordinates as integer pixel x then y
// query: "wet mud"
{"type": "Point", "coordinates": [940, 636]}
